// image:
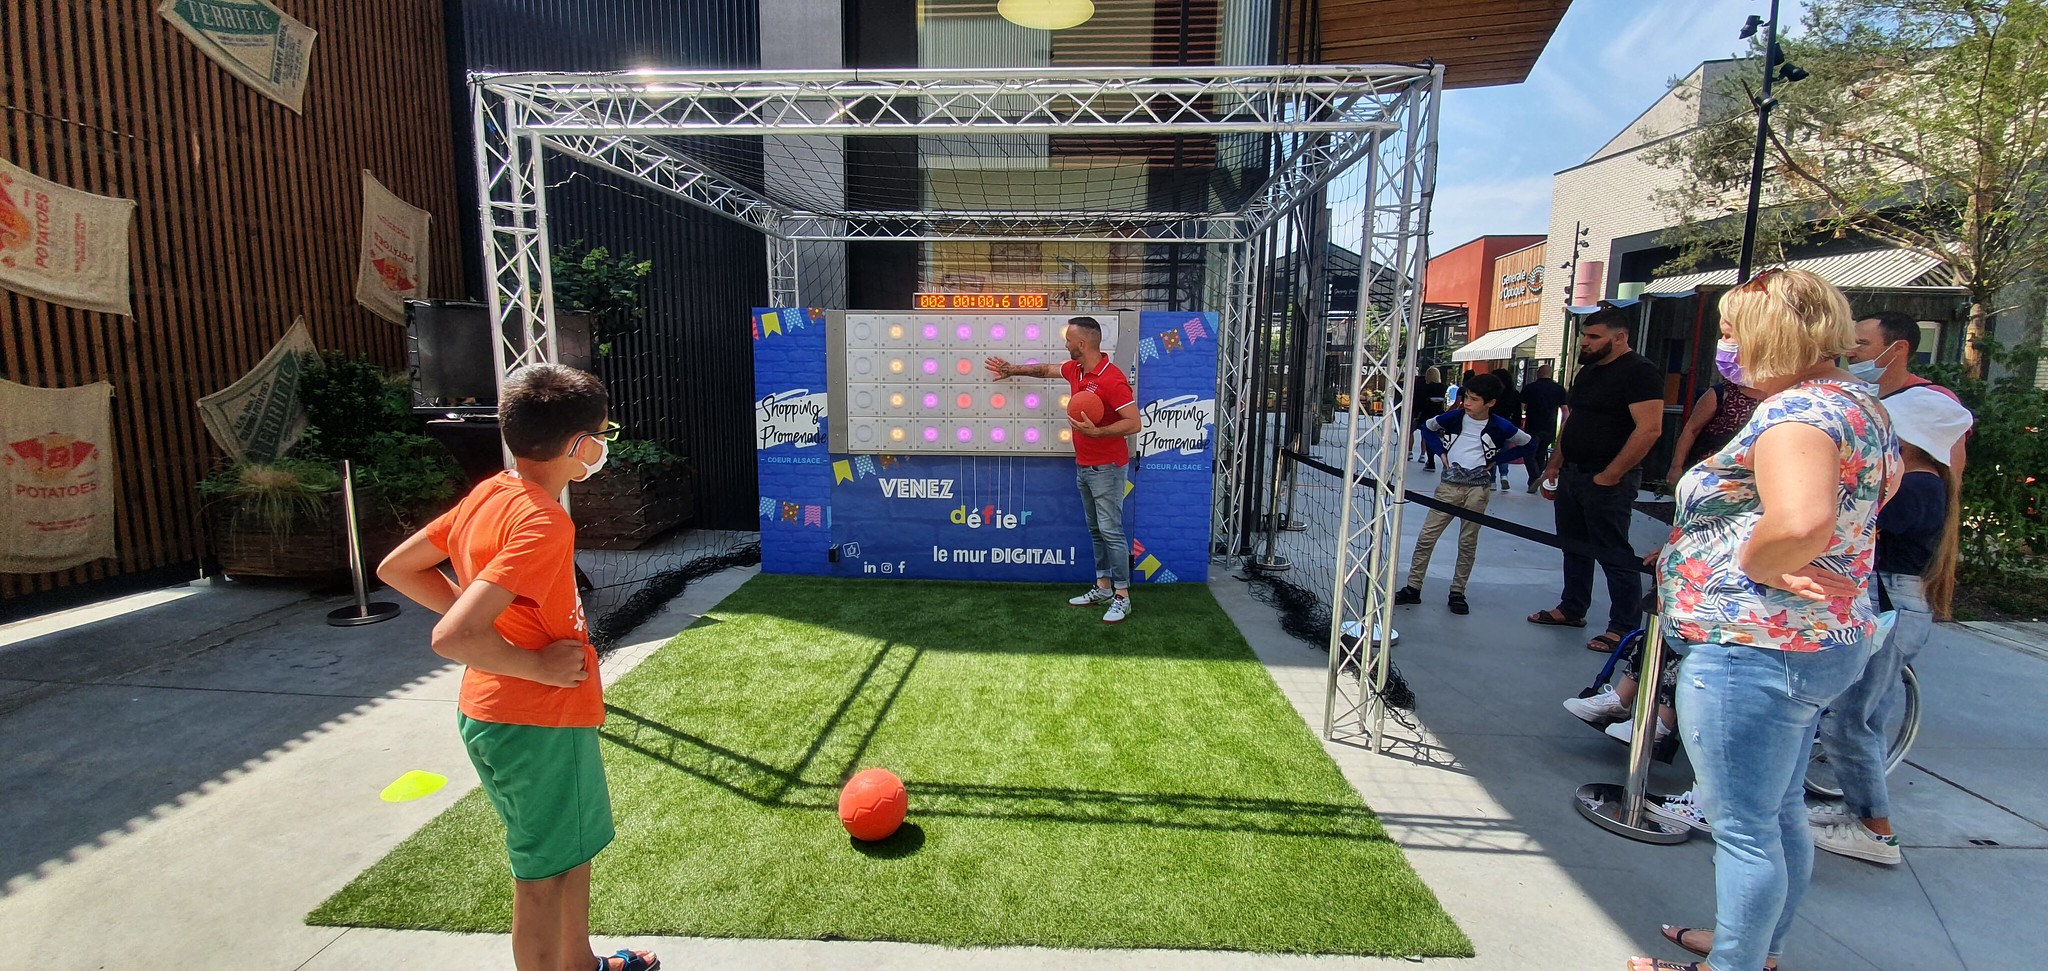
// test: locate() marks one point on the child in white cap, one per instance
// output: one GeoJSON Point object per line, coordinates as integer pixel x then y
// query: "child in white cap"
{"type": "Point", "coordinates": [1916, 564]}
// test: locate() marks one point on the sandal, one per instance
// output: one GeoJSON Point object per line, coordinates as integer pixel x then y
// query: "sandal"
{"type": "Point", "coordinates": [1555, 618]}
{"type": "Point", "coordinates": [626, 960]}
{"type": "Point", "coordinates": [1676, 935]}
{"type": "Point", "coordinates": [1604, 643]}
{"type": "Point", "coordinates": [1659, 965]}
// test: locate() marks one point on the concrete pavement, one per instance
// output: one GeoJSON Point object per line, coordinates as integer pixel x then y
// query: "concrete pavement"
{"type": "Point", "coordinates": [180, 784]}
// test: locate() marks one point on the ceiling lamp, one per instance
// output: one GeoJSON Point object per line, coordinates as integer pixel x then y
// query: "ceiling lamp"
{"type": "Point", "coordinates": [1046, 14]}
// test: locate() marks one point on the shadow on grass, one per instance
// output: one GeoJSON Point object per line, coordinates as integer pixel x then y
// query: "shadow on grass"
{"type": "Point", "coordinates": [770, 785]}
{"type": "Point", "coordinates": [907, 839]}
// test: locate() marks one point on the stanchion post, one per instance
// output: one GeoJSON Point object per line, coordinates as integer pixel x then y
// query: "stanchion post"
{"type": "Point", "coordinates": [1619, 809]}
{"type": "Point", "coordinates": [362, 611]}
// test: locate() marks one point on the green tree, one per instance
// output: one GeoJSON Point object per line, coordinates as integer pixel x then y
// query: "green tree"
{"type": "Point", "coordinates": [1921, 123]}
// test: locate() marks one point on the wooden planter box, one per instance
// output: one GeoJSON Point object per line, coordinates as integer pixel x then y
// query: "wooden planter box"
{"type": "Point", "coordinates": [623, 509]}
{"type": "Point", "coordinates": [313, 547]}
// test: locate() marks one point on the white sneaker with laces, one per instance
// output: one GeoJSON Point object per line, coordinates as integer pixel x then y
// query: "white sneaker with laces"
{"type": "Point", "coordinates": [1851, 839]}
{"type": "Point", "coordinates": [1621, 731]}
{"type": "Point", "coordinates": [1823, 813]}
{"type": "Point", "coordinates": [1682, 808]}
{"type": "Point", "coordinates": [1605, 706]}
{"type": "Point", "coordinates": [1095, 595]}
{"type": "Point", "coordinates": [1119, 608]}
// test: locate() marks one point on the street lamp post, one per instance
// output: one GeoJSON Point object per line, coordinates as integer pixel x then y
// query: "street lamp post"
{"type": "Point", "coordinates": [1774, 67]}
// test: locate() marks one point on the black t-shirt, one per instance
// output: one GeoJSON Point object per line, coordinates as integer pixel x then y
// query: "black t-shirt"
{"type": "Point", "coordinates": [1909, 527]}
{"type": "Point", "coordinates": [1510, 405]}
{"type": "Point", "coordinates": [1600, 423]}
{"type": "Point", "coordinates": [1540, 402]}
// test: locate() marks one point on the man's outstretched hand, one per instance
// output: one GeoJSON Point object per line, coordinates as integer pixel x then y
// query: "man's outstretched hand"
{"type": "Point", "coordinates": [1000, 368]}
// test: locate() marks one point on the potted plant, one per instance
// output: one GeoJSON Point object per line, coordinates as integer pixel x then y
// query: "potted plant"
{"type": "Point", "coordinates": [642, 492]}
{"type": "Point", "coordinates": [590, 281]}
{"type": "Point", "coordinates": [285, 518]}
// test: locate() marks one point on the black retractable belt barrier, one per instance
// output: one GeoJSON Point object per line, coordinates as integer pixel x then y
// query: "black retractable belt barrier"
{"type": "Point", "coordinates": [1615, 808]}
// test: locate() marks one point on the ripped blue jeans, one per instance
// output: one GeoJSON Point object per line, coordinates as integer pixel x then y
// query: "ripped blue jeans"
{"type": "Point", "coordinates": [1747, 717]}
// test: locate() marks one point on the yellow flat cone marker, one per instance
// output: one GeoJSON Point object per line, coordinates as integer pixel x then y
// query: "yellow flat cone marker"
{"type": "Point", "coordinates": [414, 785]}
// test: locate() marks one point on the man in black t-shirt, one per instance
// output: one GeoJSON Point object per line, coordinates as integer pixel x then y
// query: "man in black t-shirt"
{"type": "Point", "coordinates": [1612, 419]}
{"type": "Point", "coordinates": [1541, 400]}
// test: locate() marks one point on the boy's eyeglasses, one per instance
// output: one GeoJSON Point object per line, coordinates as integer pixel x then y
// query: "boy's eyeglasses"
{"type": "Point", "coordinates": [610, 433]}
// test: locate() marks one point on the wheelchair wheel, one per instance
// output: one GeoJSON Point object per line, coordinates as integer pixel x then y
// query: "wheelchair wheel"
{"type": "Point", "coordinates": [1820, 774]}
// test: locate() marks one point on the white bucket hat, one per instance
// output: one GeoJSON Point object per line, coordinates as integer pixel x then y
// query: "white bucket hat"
{"type": "Point", "coordinates": [1928, 420]}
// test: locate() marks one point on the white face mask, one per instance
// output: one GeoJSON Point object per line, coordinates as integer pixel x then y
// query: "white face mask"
{"type": "Point", "coordinates": [604, 451]}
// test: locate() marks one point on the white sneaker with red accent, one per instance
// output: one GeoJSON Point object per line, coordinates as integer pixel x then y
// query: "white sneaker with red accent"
{"type": "Point", "coordinates": [1119, 608]}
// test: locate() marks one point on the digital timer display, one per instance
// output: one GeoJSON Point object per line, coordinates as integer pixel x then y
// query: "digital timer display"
{"type": "Point", "coordinates": [979, 301]}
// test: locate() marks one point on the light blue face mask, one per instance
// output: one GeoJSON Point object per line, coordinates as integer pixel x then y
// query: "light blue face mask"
{"type": "Point", "coordinates": [1869, 371]}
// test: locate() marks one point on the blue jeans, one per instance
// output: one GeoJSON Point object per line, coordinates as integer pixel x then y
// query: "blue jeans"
{"type": "Point", "coordinates": [1747, 717]}
{"type": "Point", "coordinates": [1853, 731]}
{"type": "Point", "coordinates": [1102, 498]}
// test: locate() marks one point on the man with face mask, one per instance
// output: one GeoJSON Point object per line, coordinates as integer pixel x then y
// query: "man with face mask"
{"type": "Point", "coordinates": [1613, 418]}
{"type": "Point", "coordinates": [1885, 344]}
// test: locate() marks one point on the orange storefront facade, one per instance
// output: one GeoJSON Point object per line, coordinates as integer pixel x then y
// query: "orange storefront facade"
{"type": "Point", "coordinates": [1465, 276]}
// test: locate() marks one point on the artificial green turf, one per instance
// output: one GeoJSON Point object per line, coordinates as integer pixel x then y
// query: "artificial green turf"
{"type": "Point", "coordinates": [1072, 784]}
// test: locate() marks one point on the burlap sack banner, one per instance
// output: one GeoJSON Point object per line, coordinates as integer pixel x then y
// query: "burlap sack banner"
{"type": "Point", "coordinates": [56, 476]}
{"type": "Point", "coordinates": [259, 417]}
{"type": "Point", "coordinates": [254, 40]}
{"type": "Point", "coordinates": [393, 268]}
{"type": "Point", "coordinates": [63, 245]}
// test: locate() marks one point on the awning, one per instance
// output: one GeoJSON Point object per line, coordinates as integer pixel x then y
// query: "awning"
{"type": "Point", "coordinates": [1884, 269]}
{"type": "Point", "coordinates": [1495, 345]}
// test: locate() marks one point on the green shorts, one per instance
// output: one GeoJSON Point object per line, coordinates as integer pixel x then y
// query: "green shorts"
{"type": "Point", "coordinates": [548, 785]}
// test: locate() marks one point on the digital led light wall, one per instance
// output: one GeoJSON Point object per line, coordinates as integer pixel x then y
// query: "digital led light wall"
{"type": "Point", "coordinates": [915, 382]}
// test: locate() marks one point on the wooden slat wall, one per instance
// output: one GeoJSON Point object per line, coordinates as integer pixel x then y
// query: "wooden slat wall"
{"type": "Point", "coordinates": [248, 217]}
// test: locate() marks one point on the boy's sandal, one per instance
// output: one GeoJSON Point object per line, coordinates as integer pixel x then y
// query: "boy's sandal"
{"type": "Point", "coordinates": [1660, 965]}
{"type": "Point", "coordinates": [627, 960]}
{"type": "Point", "coordinates": [1604, 643]}
{"type": "Point", "coordinates": [1554, 618]}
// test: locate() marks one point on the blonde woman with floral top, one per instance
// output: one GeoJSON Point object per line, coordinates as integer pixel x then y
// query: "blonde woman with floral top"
{"type": "Point", "coordinates": [1765, 582]}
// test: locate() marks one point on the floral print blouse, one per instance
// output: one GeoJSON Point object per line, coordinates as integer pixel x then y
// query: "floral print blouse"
{"type": "Point", "coordinates": [1704, 593]}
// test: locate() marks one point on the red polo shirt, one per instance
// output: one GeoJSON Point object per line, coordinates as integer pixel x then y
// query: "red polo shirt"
{"type": "Point", "coordinates": [1108, 382]}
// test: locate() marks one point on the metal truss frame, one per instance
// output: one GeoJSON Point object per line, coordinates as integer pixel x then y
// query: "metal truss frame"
{"type": "Point", "coordinates": [1314, 121]}
{"type": "Point", "coordinates": [1401, 179]}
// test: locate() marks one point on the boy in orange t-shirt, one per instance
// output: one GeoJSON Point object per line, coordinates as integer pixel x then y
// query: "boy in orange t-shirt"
{"type": "Point", "coordinates": [531, 700]}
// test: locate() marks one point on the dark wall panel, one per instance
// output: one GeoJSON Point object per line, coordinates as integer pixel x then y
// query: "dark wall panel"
{"type": "Point", "coordinates": [686, 378]}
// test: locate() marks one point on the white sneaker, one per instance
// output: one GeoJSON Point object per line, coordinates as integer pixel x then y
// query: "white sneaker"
{"type": "Point", "coordinates": [1851, 839]}
{"type": "Point", "coordinates": [1622, 731]}
{"type": "Point", "coordinates": [1095, 595]}
{"type": "Point", "coordinates": [1605, 706]}
{"type": "Point", "coordinates": [1681, 808]}
{"type": "Point", "coordinates": [1119, 608]}
{"type": "Point", "coordinates": [1828, 812]}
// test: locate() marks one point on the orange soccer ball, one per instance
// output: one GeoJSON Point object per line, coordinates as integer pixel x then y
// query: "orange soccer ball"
{"type": "Point", "coordinates": [872, 804]}
{"type": "Point", "coordinates": [1085, 403]}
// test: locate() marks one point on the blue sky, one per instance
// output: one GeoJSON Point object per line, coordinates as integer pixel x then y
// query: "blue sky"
{"type": "Point", "coordinates": [1609, 60]}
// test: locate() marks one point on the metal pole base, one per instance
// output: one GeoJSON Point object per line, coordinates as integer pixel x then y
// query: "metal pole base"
{"type": "Point", "coordinates": [1606, 804]}
{"type": "Point", "coordinates": [357, 615]}
{"type": "Point", "coordinates": [1294, 526]}
{"type": "Point", "coordinates": [1273, 564]}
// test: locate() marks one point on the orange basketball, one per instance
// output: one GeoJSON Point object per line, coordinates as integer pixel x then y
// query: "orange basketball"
{"type": "Point", "coordinates": [1085, 404]}
{"type": "Point", "coordinates": [872, 804]}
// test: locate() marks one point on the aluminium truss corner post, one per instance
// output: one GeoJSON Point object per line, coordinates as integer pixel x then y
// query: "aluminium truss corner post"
{"type": "Point", "coordinates": [512, 213]}
{"type": "Point", "coordinates": [1233, 400]}
{"type": "Point", "coordinates": [1393, 253]}
{"type": "Point", "coordinates": [784, 287]}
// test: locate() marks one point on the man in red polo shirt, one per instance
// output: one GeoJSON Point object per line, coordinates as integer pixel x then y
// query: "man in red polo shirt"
{"type": "Point", "coordinates": [1101, 453]}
